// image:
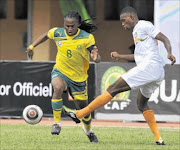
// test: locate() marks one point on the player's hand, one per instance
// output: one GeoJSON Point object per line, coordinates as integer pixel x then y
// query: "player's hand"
{"type": "Point", "coordinates": [94, 54]}
{"type": "Point", "coordinates": [114, 55]}
{"type": "Point", "coordinates": [171, 58]}
{"type": "Point", "coordinates": [30, 53]}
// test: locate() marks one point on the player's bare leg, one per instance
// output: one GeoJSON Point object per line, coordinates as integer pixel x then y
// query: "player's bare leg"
{"type": "Point", "coordinates": [119, 86]}
{"type": "Point", "coordinates": [57, 103]}
{"type": "Point", "coordinates": [149, 117]}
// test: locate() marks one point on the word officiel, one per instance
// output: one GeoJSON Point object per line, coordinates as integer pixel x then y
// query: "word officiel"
{"type": "Point", "coordinates": [26, 89]}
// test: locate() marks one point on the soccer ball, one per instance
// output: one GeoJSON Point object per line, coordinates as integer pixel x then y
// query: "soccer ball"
{"type": "Point", "coordinates": [32, 114]}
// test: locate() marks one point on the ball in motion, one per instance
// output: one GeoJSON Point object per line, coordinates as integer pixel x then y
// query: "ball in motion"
{"type": "Point", "coordinates": [32, 114]}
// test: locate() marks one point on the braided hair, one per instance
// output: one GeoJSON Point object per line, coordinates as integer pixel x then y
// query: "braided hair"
{"type": "Point", "coordinates": [88, 27]}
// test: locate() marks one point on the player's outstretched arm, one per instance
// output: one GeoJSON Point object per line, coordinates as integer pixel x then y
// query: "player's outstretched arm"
{"type": "Point", "coordinates": [40, 40]}
{"type": "Point", "coordinates": [95, 55]}
{"type": "Point", "coordinates": [167, 45]}
{"type": "Point", "coordinates": [116, 56]}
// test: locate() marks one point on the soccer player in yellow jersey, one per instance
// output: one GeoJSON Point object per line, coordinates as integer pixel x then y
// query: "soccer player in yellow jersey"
{"type": "Point", "coordinates": [75, 45]}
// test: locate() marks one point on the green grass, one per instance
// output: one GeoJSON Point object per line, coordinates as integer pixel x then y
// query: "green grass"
{"type": "Point", "coordinates": [38, 137]}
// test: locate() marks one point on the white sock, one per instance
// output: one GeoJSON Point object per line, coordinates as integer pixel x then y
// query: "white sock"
{"type": "Point", "coordinates": [87, 132]}
{"type": "Point", "coordinates": [58, 124]}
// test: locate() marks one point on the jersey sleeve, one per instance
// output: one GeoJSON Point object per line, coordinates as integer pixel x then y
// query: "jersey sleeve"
{"type": "Point", "coordinates": [51, 33]}
{"type": "Point", "coordinates": [150, 29]}
{"type": "Point", "coordinates": [91, 41]}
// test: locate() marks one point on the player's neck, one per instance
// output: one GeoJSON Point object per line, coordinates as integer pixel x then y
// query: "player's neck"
{"type": "Point", "coordinates": [135, 23]}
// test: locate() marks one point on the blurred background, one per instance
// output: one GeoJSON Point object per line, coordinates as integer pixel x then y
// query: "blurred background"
{"type": "Point", "coordinates": [23, 21]}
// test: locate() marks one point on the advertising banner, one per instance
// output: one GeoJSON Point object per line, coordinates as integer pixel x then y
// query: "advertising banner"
{"type": "Point", "coordinates": [165, 101]}
{"type": "Point", "coordinates": [27, 83]}
{"type": "Point", "coordinates": [167, 20]}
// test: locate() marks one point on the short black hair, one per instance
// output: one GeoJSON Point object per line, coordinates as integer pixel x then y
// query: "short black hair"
{"type": "Point", "coordinates": [128, 10]}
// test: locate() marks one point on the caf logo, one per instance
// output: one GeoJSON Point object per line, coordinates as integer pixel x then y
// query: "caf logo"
{"type": "Point", "coordinates": [109, 77]}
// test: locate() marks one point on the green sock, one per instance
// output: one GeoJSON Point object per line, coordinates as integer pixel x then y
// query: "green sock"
{"type": "Point", "coordinates": [87, 123]}
{"type": "Point", "coordinates": [57, 108]}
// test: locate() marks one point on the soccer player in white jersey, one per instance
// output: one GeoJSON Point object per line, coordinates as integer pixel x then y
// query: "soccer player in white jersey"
{"type": "Point", "coordinates": [146, 76]}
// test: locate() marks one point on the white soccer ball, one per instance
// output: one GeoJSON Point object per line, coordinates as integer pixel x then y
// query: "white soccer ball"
{"type": "Point", "coordinates": [32, 114]}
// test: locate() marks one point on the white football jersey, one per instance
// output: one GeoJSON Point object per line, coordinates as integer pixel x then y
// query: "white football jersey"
{"type": "Point", "coordinates": [146, 46]}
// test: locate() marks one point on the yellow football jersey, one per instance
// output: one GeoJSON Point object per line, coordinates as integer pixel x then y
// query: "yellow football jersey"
{"type": "Point", "coordinates": [73, 57]}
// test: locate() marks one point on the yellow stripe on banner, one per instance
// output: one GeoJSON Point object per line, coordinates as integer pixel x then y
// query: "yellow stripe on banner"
{"type": "Point", "coordinates": [168, 8]}
{"type": "Point", "coordinates": [56, 100]}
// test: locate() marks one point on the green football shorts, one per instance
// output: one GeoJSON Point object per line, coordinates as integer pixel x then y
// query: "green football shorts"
{"type": "Point", "coordinates": [78, 90]}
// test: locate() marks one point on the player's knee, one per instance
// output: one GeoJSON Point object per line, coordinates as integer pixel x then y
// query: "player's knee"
{"type": "Point", "coordinates": [140, 107]}
{"type": "Point", "coordinates": [143, 108]}
{"type": "Point", "coordinates": [57, 92]}
{"type": "Point", "coordinates": [58, 89]}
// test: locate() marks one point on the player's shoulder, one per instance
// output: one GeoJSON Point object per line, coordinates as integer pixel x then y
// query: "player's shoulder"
{"type": "Point", "coordinates": [59, 32]}
{"type": "Point", "coordinates": [53, 29]}
{"type": "Point", "coordinates": [58, 28]}
{"type": "Point", "coordinates": [83, 34]}
{"type": "Point", "coordinates": [145, 23]}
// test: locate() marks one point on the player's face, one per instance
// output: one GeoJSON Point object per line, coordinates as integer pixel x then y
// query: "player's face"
{"type": "Point", "coordinates": [71, 26]}
{"type": "Point", "coordinates": [127, 21]}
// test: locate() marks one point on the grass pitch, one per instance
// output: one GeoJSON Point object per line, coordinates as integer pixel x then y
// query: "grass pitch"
{"type": "Point", "coordinates": [38, 137]}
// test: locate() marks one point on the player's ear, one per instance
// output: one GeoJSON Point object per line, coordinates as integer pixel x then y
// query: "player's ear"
{"type": "Point", "coordinates": [132, 17]}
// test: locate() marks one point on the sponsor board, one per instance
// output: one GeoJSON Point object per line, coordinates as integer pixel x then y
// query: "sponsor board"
{"type": "Point", "coordinates": [165, 101]}
{"type": "Point", "coordinates": [26, 89]}
{"type": "Point", "coordinates": [29, 83]}
{"type": "Point", "coordinates": [120, 101]}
